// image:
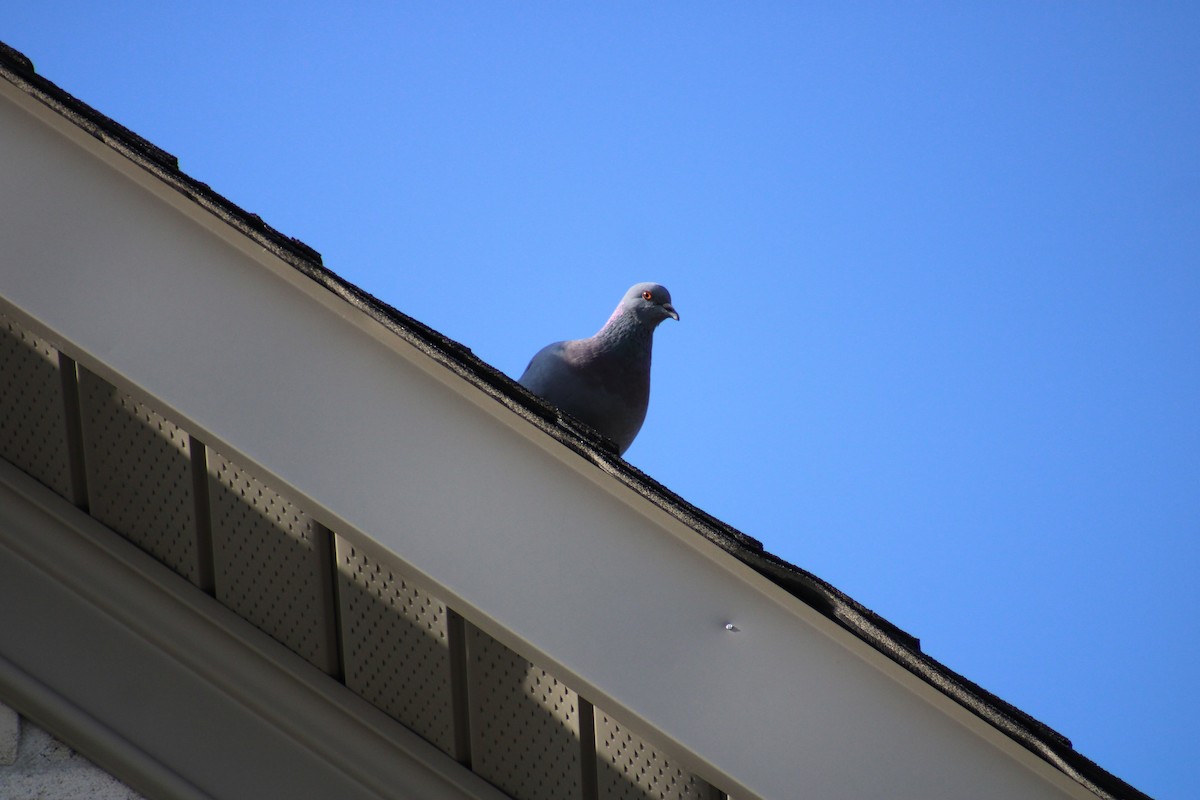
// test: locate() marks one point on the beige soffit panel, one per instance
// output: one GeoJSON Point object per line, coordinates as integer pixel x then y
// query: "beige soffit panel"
{"type": "Point", "coordinates": [124, 440]}
{"type": "Point", "coordinates": [525, 723]}
{"type": "Point", "coordinates": [33, 432]}
{"type": "Point", "coordinates": [396, 644]}
{"type": "Point", "coordinates": [630, 768]}
{"type": "Point", "coordinates": [271, 562]}
{"type": "Point", "coordinates": [388, 434]}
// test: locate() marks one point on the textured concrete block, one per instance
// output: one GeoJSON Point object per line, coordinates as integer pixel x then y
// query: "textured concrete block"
{"type": "Point", "coordinates": [46, 768]}
{"type": "Point", "coordinates": [10, 735]}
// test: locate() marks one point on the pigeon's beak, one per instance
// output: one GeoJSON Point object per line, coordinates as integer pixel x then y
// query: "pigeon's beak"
{"type": "Point", "coordinates": [670, 311]}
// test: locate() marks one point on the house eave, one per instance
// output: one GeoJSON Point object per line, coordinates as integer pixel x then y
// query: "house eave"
{"type": "Point", "coordinates": [800, 595]}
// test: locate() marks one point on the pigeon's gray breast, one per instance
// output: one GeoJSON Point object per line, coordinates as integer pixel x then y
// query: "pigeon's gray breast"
{"type": "Point", "coordinates": [599, 388]}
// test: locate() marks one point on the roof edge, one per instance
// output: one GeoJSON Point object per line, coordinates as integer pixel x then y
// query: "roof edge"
{"type": "Point", "coordinates": [887, 638]}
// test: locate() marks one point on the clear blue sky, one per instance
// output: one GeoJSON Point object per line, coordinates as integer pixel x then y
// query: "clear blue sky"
{"type": "Point", "coordinates": [938, 268]}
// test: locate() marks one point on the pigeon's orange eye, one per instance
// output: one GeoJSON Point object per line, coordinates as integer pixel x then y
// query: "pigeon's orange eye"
{"type": "Point", "coordinates": [647, 296]}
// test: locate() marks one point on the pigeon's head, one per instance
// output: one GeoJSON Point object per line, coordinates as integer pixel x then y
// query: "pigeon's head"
{"type": "Point", "coordinates": [650, 303]}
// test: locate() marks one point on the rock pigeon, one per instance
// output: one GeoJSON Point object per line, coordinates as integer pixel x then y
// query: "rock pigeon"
{"type": "Point", "coordinates": [604, 381]}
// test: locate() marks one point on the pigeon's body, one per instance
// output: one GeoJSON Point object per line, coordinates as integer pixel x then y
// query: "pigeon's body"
{"type": "Point", "coordinates": [604, 381]}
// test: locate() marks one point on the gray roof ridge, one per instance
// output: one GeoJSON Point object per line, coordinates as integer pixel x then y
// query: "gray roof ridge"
{"type": "Point", "coordinates": [887, 638]}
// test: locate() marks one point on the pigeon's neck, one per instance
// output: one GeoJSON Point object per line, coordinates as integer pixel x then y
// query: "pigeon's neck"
{"type": "Point", "coordinates": [624, 333]}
